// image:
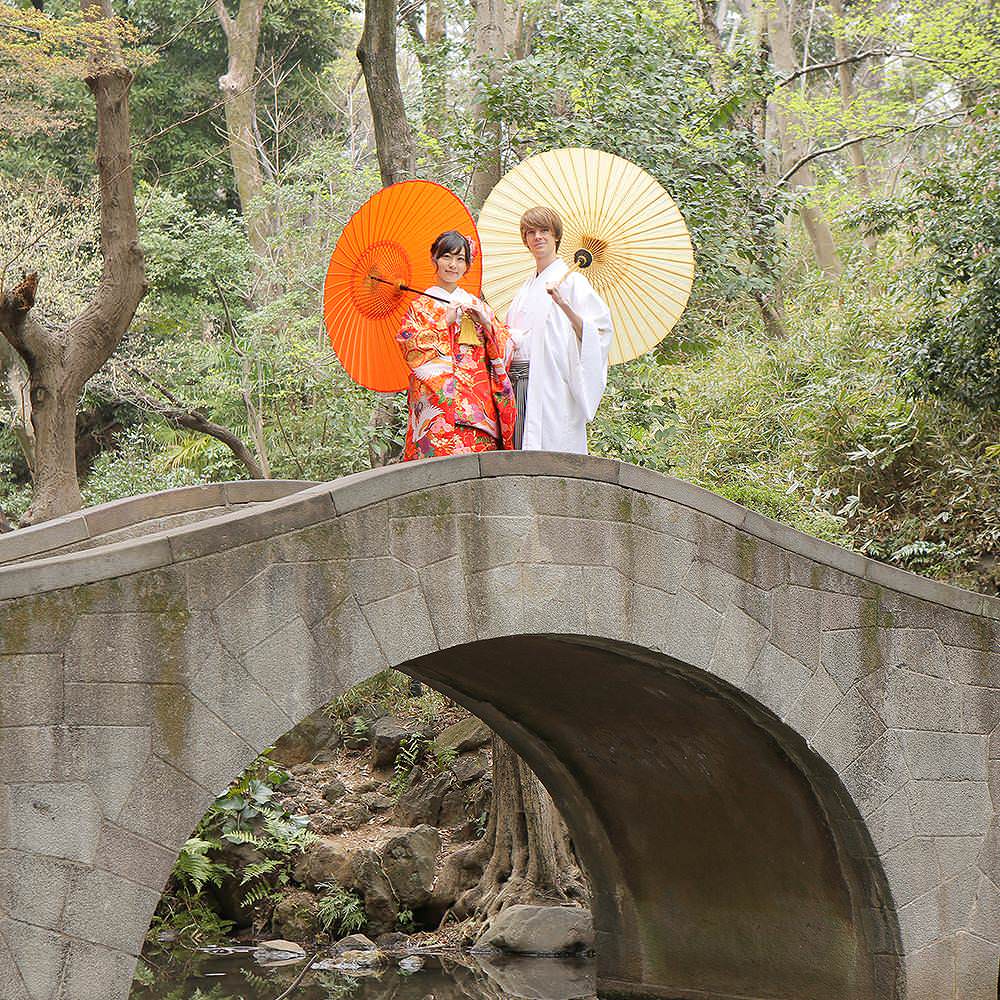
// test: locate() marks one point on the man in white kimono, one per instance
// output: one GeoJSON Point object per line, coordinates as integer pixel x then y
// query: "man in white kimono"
{"type": "Point", "coordinates": [562, 329]}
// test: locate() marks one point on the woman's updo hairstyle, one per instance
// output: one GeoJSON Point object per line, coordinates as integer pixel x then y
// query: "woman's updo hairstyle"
{"type": "Point", "coordinates": [452, 242]}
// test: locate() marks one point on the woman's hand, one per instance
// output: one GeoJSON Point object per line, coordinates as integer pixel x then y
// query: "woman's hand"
{"type": "Point", "coordinates": [451, 315]}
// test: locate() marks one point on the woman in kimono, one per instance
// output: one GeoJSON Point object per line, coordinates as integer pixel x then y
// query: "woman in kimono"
{"type": "Point", "coordinates": [460, 397]}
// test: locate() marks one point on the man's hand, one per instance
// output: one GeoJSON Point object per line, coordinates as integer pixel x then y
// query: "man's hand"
{"type": "Point", "coordinates": [575, 321]}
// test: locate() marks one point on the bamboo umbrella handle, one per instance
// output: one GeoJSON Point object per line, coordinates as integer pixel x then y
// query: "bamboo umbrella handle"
{"type": "Point", "coordinates": [582, 259]}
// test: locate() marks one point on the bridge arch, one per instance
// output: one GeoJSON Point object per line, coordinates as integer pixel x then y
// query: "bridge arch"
{"type": "Point", "coordinates": [809, 732]}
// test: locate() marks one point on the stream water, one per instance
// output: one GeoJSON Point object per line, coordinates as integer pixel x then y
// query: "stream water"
{"type": "Point", "coordinates": [183, 975]}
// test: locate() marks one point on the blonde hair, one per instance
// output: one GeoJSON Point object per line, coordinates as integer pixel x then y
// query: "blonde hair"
{"type": "Point", "coordinates": [542, 217]}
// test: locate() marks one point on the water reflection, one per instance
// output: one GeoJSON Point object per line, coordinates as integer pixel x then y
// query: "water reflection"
{"type": "Point", "coordinates": [197, 976]}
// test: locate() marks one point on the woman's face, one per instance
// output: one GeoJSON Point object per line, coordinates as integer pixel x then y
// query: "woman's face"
{"type": "Point", "coordinates": [451, 267]}
{"type": "Point", "coordinates": [541, 242]}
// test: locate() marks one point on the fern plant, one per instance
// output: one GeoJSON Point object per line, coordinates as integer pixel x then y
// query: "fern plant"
{"type": "Point", "coordinates": [409, 754]}
{"type": "Point", "coordinates": [340, 910]}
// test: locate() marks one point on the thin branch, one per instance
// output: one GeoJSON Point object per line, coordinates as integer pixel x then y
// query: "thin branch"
{"type": "Point", "coordinates": [833, 64]}
{"type": "Point", "coordinates": [891, 132]}
{"type": "Point", "coordinates": [224, 17]}
{"type": "Point", "coordinates": [298, 979]}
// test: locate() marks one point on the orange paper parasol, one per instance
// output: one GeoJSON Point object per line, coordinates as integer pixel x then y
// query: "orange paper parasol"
{"type": "Point", "coordinates": [380, 264]}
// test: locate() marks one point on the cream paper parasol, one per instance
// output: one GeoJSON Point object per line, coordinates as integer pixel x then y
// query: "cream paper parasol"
{"type": "Point", "coordinates": [619, 227]}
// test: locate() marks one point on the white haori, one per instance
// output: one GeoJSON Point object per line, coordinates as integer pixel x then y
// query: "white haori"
{"type": "Point", "coordinates": [567, 376]}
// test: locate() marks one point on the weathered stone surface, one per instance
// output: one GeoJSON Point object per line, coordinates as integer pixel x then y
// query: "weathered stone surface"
{"type": "Point", "coordinates": [611, 597]}
{"type": "Point", "coordinates": [461, 737]}
{"type": "Point", "coordinates": [296, 917]}
{"type": "Point", "coordinates": [388, 735]}
{"type": "Point", "coordinates": [408, 860]}
{"type": "Point", "coordinates": [315, 733]}
{"type": "Point", "coordinates": [539, 930]}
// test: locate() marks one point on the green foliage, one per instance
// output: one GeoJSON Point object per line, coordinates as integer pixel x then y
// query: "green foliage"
{"type": "Point", "coordinates": [411, 751]}
{"type": "Point", "coordinates": [341, 911]}
{"type": "Point", "coordinates": [951, 214]}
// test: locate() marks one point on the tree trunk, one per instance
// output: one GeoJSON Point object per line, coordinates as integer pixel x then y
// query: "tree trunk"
{"type": "Point", "coordinates": [377, 54]}
{"type": "Point", "coordinates": [491, 47]}
{"type": "Point", "coordinates": [525, 856]}
{"type": "Point", "coordinates": [779, 31]}
{"type": "Point", "coordinates": [60, 362]}
{"type": "Point", "coordinates": [17, 383]}
{"type": "Point", "coordinates": [239, 92]}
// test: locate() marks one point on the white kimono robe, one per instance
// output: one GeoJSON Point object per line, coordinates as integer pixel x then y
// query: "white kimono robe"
{"type": "Point", "coordinates": [567, 376]}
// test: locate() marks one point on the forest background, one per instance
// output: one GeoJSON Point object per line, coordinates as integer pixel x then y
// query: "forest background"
{"type": "Point", "coordinates": [838, 367]}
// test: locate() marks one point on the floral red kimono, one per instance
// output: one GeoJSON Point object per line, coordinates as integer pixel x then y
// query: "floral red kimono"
{"type": "Point", "coordinates": [460, 397]}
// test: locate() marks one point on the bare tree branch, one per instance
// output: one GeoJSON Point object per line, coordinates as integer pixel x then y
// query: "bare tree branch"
{"type": "Point", "coordinates": [893, 131]}
{"type": "Point", "coordinates": [832, 64]}
{"type": "Point", "coordinates": [224, 17]}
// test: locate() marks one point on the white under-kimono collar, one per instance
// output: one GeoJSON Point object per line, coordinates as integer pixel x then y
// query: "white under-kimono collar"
{"type": "Point", "coordinates": [554, 270]}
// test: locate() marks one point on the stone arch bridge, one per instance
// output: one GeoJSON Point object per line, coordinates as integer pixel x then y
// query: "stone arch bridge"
{"type": "Point", "coordinates": [780, 761]}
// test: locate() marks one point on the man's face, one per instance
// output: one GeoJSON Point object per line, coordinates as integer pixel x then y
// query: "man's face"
{"type": "Point", "coordinates": [541, 242]}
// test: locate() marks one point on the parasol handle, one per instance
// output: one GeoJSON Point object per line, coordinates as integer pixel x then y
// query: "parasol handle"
{"type": "Point", "coordinates": [582, 259]}
{"type": "Point", "coordinates": [399, 286]}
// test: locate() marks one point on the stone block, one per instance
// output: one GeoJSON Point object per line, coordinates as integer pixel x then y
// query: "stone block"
{"type": "Point", "coordinates": [930, 972]}
{"type": "Point", "coordinates": [402, 626]}
{"type": "Point", "coordinates": [92, 971]}
{"type": "Point", "coordinates": [973, 666]}
{"type": "Point", "coordinates": [654, 618]}
{"type": "Point", "coordinates": [147, 648]}
{"type": "Point", "coordinates": [494, 541]}
{"type": "Point", "coordinates": [548, 463]}
{"type": "Point", "coordinates": [945, 756]}
{"type": "Point", "coordinates": [223, 685]}
{"type": "Point", "coordinates": [553, 599]}
{"type": "Point", "coordinates": [939, 913]}
{"type": "Point", "coordinates": [9, 974]}
{"type": "Point", "coordinates": [796, 624]}
{"type": "Point", "coordinates": [497, 602]}
{"type": "Point", "coordinates": [101, 907]}
{"type": "Point", "coordinates": [292, 669]}
{"type": "Point", "coordinates": [133, 858]}
{"type": "Point", "coordinates": [31, 753]}
{"type": "Point", "coordinates": [569, 541]}
{"type": "Point", "coordinates": [989, 855]}
{"type": "Point", "coordinates": [877, 773]}
{"type": "Point", "coordinates": [507, 497]}
{"type": "Point", "coordinates": [980, 709]}
{"type": "Point", "coordinates": [443, 584]}
{"type": "Point", "coordinates": [242, 527]}
{"type": "Point", "coordinates": [366, 488]}
{"type": "Point", "coordinates": [951, 808]}
{"type": "Point", "coordinates": [29, 542]}
{"type": "Point", "coordinates": [420, 540]}
{"type": "Point", "coordinates": [891, 824]}
{"type": "Point", "coordinates": [912, 870]}
{"type": "Point", "coordinates": [852, 611]}
{"type": "Point", "coordinates": [557, 496]}
{"type": "Point", "coordinates": [109, 758]}
{"type": "Point", "coordinates": [704, 502]}
{"type": "Point", "coordinates": [261, 490]}
{"type": "Point", "coordinates": [957, 854]}
{"type": "Point", "coordinates": [210, 580]}
{"type": "Point", "coordinates": [720, 590]}
{"type": "Point", "coordinates": [908, 700]}
{"type": "Point", "coordinates": [851, 654]}
{"type": "Point", "coordinates": [976, 963]}
{"type": "Point", "coordinates": [742, 555]}
{"type": "Point", "coordinates": [39, 623]}
{"type": "Point", "coordinates": [31, 689]}
{"type": "Point", "coordinates": [145, 816]}
{"type": "Point", "coordinates": [39, 955]}
{"type": "Point", "coordinates": [608, 601]}
{"type": "Point", "coordinates": [650, 557]}
{"type": "Point", "coordinates": [181, 729]}
{"type": "Point", "coordinates": [61, 819]}
{"type": "Point", "coordinates": [33, 887]}
{"type": "Point", "coordinates": [814, 705]}
{"type": "Point", "coordinates": [276, 596]}
{"type": "Point", "coordinates": [443, 502]}
{"type": "Point", "coordinates": [60, 572]}
{"type": "Point", "coordinates": [693, 630]}
{"type": "Point", "coordinates": [349, 647]}
{"type": "Point", "coordinates": [737, 646]}
{"type": "Point", "coordinates": [777, 680]}
{"type": "Point", "coordinates": [985, 920]}
{"type": "Point", "coordinates": [380, 577]}
{"type": "Point", "coordinates": [848, 731]}
{"type": "Point", "coordinates": [971, 631]}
